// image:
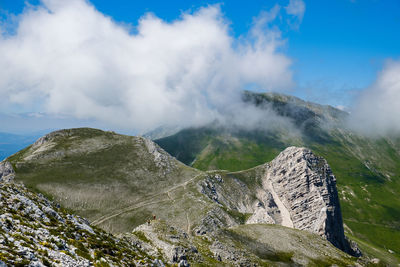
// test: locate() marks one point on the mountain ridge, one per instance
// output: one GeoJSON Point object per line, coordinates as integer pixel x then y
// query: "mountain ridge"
{"type": "Point", "coordinates": [105, 164]}
{"type": "Point", "coordinates": [174, 205]}
{"type": "Point", "coordinates": [367, 169]}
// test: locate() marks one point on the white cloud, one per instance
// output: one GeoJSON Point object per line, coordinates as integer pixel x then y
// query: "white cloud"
{"type": "Point", "coordinates": [296, 8]}
{"type": "Point", "coordinates": [377, 111]}
{"type": "Point", "coordinates": [68, 58]}
{"type": "Point", "coordinates": [341, 107]}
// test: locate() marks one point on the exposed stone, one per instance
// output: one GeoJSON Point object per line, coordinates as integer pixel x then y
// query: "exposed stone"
{"type": "Point", "coordinates": [298, 190]}
{"type": "Point", "coordinates": [162, 159]}
{"type": "Point", "coordinates": [183, 263]}
{"type": "Point", "coordinates": [214, 220]}
{"type": "Point", "coordinates": [304, 189]}
{"type": "Point", "coordinates": [35, 232]}
{"type": "Point", "coordinates": [229, 254]}
{"type": "Point", "coordinates": [158, 263]}
{"type": "Point", "coordinates": [7, 173]}
{"type": "Point", "coordinates": [375, 261]}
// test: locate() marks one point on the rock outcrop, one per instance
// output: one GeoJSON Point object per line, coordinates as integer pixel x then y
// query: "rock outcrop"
{"type": "Point", "coordinates": [297, 189]}
{"type": "Point", "coordinates": [7, 173]}
{"type": "Point", "coordinates": [36, 232]}
{"type": "Point", "coordinates": [304, 189]}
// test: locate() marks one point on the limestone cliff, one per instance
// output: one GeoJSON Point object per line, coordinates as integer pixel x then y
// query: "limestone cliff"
{"type": "Point", "coordinates": [297, 189]}
{"type": "Point", "coordinates": [304, 189]}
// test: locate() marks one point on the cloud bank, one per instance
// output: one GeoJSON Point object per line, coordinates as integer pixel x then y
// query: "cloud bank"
{"type": "Point", "coordinates": [377, 110]}
{"type": "Point", "coordinates": [66, 57]}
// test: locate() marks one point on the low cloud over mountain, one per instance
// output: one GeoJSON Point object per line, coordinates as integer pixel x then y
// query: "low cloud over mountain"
{"type": "Point", "coordinates": [377, 111]}
{"type": "Point", "coordinates": [66, 57]}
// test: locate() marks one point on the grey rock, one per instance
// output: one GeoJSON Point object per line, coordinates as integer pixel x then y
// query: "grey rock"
{"type": "Point", "coordinates": [297, 189]}
{"type": "Point", "coordinates": [80, 223]}
{"type": "Point", "coordinates": [49, 211]}
{"type": "Point", "coordinates": [304, 189]}
{"type": "Point", "coordinates": [229, 254]}
{"type": "Point", "coordinates": [34, 238]}
{"type": "Point", "coordinates": [162, 159]}
{"type": "Point", "coordinates": [183, 263]}
{"type": "Point", "coordinates": [36, 263]}
{"type": "Point", "coordinates": [158, 263]}
{"type": "Point", "coordinates": [179, 254]}
{"type": "Point", "coordinates": [7, 173]}
{"type": "Point", "coordinates": [214, 220]}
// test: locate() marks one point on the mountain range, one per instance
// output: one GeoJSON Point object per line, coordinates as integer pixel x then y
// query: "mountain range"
{"type": "Point", "coordinates": [367, 168]}
{"type": "Point", "coordinates": [221, 193]}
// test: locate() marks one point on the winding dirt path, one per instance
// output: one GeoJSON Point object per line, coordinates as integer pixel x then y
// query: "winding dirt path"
{"type": "Point", "coordinates": [143, 203]}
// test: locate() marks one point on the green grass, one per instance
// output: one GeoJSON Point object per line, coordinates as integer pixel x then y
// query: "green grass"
{"type": "Point", "coordinates": [376, 235]}
{"type": "Point", "coordinates": [94, 173]}
{"type": "Point", "coordinates": [276, 244]}
{"type": "Point", "coordinates": [235, 158]}
{"type": "Point", "coordinates": [121, 164]}
{"type": "Point", "coordinates": [375, 199]}
{"type": "Point", "coordinates": [372, 251]}
{"type": "Point", "coordinates": [261, 250]}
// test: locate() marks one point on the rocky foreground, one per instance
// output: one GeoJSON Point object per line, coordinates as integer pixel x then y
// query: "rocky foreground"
{"type": "Point", "coordinates": [36, 232]}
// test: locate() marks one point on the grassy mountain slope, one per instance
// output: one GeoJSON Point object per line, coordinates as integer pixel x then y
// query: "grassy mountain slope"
{"type": "Point", "coordinates": [94, 173]}
{"type": "Point", "coordinates": [367, 170]}
{"type": "Point", "coordinates": [243, 245]}
{"type": "Point", "coordinates": [119, 182]}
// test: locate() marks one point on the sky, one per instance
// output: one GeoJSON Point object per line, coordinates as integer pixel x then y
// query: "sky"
{"type": "Point", "coordinates": [180, 61]}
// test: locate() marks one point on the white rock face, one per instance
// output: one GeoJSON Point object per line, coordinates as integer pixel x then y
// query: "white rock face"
{"type": "Point", "coordinates": [7, 173]}
{"type": "Point", "coordinates": [263, 211]}
{"type": "Point", "coordinates": [304, 189]}
{"type": "Point", "coordinates": [297, 189]}
{"type": "Point", "coordinates": [162, 159]}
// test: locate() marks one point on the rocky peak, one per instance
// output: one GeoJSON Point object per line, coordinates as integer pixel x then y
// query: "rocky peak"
{"type": "Point", "coordinates": [304, 189]}
{"type": "Point", "coordinates": [297, 190]}
{"type": "Point", "coordinates": [161, 158]}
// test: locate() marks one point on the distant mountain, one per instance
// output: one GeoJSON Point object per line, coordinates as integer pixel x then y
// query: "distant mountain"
{"type": "Point", "coordinates": [162, 131]}
{"type": "Point", "coordinates": [130, 186]}
{"type": "Point", "coordinates": [367, 169]}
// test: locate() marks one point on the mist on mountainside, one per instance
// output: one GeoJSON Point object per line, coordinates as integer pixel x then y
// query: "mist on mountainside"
{"type": "Point", "coordinates": [377, 109]}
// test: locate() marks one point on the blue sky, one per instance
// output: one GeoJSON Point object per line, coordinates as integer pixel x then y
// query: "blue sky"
{"type": "Point", "coordinates": [337, 49]}
{"type": "Point", "coordinates": [339, 46]}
